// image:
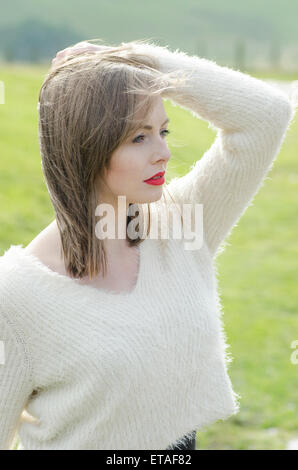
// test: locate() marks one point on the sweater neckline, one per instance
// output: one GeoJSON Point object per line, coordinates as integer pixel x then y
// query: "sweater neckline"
{"type": "Point", "coordinates": [18, 252]}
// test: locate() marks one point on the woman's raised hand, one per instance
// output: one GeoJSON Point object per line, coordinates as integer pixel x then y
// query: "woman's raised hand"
{"type": "Point", "coordinates": [78, 48]}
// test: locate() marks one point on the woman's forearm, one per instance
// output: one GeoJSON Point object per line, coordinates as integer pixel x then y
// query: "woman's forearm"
{"type": "Point", "coordinates": [229, 99]}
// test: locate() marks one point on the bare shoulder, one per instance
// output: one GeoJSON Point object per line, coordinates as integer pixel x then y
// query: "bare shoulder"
{"type": "Point", "coordinates": [45, 246]}
{"type": "Point", "coordinates": [42, 242]}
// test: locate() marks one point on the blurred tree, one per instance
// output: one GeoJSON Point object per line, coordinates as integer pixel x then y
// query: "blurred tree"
{"type": "Point", "coordinates": [275, 54]}
{"type": "Point", "coordinates": [34, 40]}
{"type": "Point", "coordinates": [34, 53]}
{"type": "Point", "coordinates": [202, 48]}
{"type": "Point", "coordinates": [8, 52]}
{"type": "Point", "coordinates": [240, 54]}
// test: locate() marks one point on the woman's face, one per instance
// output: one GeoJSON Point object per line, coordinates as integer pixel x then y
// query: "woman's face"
{"type": "Point", "coordinates": [138, 158]}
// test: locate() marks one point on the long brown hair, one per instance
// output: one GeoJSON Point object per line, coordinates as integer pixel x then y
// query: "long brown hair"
{"type": "Point", "coordinates": [87, 108]}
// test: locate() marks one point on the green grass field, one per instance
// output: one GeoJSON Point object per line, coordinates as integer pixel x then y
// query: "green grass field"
{"type": "Point", "coordinates": [257, 269]}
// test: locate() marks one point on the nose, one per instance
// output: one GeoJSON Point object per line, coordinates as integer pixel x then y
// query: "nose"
{"type": "Point", "coordinates": [162, 155]}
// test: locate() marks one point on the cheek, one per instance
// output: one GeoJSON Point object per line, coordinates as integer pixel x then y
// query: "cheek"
{"type": "Point", "coordinates": [125, 172]}
{"type": "Point", "coordinates": [128, 164]}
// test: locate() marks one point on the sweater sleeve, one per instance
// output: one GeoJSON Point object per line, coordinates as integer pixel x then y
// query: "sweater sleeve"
{"type": "Point", "coordinates": [15, 380]}
{"type": "Point", "coordinates": [251, 119]}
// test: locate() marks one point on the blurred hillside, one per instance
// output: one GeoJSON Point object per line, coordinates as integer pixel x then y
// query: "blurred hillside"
{"type": "Point", "coordinates": [256, 34]}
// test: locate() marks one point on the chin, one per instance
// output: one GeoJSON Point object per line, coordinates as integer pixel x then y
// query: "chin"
{"type": "Point", "coordinates": [153, 198]}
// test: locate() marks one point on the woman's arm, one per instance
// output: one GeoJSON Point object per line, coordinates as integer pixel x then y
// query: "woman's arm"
{"type": "Point", "coordinates": [78, 48]}
{"type": "Point", "coordinates": [251, 118]}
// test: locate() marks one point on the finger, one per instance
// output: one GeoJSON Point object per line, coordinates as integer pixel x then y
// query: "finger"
{"type": "Point", "coordinates": [75, 50]}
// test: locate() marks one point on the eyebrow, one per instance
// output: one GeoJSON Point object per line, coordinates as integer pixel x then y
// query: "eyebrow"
{"type": "Point", "coordinates": [150, 127]}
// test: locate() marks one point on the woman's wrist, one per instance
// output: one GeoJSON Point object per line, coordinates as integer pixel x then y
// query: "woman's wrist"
{"type": "Point", "coordinates": [77, 49]}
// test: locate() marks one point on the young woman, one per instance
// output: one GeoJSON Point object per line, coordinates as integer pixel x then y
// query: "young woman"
{"type": "Point", "coordinates": [118, 343]}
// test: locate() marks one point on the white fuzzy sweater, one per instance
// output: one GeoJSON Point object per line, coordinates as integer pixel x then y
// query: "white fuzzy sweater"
{"type": "Point", "coordinates": [141, 369]}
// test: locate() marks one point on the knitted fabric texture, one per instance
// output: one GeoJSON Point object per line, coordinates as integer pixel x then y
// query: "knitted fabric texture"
{"type": "Point", "coordinates": [88, 368]}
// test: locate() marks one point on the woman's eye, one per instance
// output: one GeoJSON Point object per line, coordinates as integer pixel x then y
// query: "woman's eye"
{"type": "Point", "coordinates": [139, 137]}
{"type": "Point", "coordinates": [165, 131]}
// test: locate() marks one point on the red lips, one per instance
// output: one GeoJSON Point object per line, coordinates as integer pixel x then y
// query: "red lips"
{"type": "Point", "coordinates": [160, 173]}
